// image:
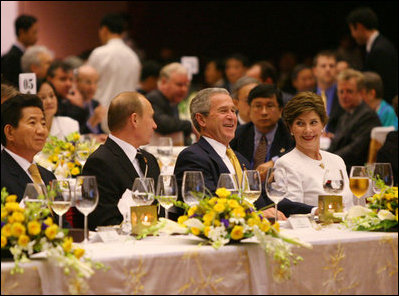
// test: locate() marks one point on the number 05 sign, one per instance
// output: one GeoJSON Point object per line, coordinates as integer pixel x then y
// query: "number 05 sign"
{"type": "Point", "coordinates": [27, 83]}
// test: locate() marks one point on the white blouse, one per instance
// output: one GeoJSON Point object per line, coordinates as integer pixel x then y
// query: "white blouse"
{"type": "Point", "coordinates": [305, 176]}
{"type": "Point", "coordinates": [62, 126]}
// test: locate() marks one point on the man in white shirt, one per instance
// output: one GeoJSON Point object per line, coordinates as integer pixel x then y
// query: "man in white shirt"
{"type": "Point", "coordinates": [117, 64]}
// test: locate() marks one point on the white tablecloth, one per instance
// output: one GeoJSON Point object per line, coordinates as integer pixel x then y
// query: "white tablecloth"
{"type": "Point", "coordinates": [341, 262]}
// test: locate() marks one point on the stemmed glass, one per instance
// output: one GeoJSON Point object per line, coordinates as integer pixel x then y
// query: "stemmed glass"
{"type": "Point", "coordinates": [86, 197]}
{"type": "Point", "coordinates": [165, 151]}
{"type": "Point", "coordinates": [32, 193]}
{"type": "Point", "coordinates": [383, 172]}
{"type": "Point", "coordinates": [167, 191]}
{"type": "Point", "coordinates": [251, 186]}
{"type": "Point", "coordinates": [276, 186]}
{"type": "Point", "coordinates": [359, 181]}
{"type": "Point", "coordinates": [333, 181]}
{"type": "Point", "coordinates": [61, 198]}
{"type": "Point", "coordinates": [229, 182]}
{"type": "Point", "coordinates": [143, 191]}
{"type": "Point", "coordinates": [193, 188]}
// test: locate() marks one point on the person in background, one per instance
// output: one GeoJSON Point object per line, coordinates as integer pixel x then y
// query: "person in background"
{"type": "Point", "coordinates": [58, 126]}
{"type": "Point", "coordinates": [372, 94]}
{"type": "Point", "coordinates": [213, 74]}
{"type": "Point", "coordinates": [26, 30]}
{"type": "Point", "coordinates": [235, 67]}
{"type": "Point", "coordinates": [23, 135]}
{"type": "Point", "coordinates": [118, 161]}
{"type": "Point", "coordinates": [352, 137]}
{"type": "Point", "coordinates": [342, 65]}
{"type": "Point", "coordinates": [7, 91]}
{"type": "Point", "coordinates": [305, 165]}
{"type": "Point", "coordinates": [302, 78]}
{"type": "Point", "coordinates": [37, 59]}
{"type": "Point", "coordinates": [149, 77]}
{"type": "Point", "coordinates": [240, 98]}
{"type": "Point", "coordinates": [381, 54]}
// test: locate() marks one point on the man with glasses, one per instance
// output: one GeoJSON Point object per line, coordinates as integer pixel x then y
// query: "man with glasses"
{"type": "Point", "coordinates": [266, 138]}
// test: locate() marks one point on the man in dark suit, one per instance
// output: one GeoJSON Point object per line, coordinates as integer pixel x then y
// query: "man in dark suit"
{"type": "Point", "coordinates": [266, 104]}
{"type": "Point", "coordinates": [26, 31]}
{"type": "Point", "coordinates": [173, 86]}
{"type": "Point", "coordinates": [119, 160]}
{"type": "Point", "coordinates": [381, 55]}
{"type": "Point", "coordinates": [23, 134]}
{"type": "Point", "coordinates": [352, 137]}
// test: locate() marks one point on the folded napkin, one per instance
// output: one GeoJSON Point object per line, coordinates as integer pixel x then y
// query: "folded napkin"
{"type": "Point", "coordinates": [124, 204]}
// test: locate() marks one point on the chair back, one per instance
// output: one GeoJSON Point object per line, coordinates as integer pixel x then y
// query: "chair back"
{"type": "Point", "coordinates": [377, 139]}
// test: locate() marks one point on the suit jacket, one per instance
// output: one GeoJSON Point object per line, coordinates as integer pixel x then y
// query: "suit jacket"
{"type": "Point", "coordinates": [14, 178]}
{"type": "Point", "coordinates": [243, 141]}
{"type": "Point", "coordinates": [11, 65]}
{"type": "Point", "coordinates": [389, 153]}
{"type": "Point", "coordinates": [167, 117]}
{"type": "Point", "coordinates": [352, 137]}
{"type": "Point", "coordinates": [383, 59]}
{"type": "Point", "coordinates": [115, 173]}
{"type": "Point", "coordinates": [82, 115]}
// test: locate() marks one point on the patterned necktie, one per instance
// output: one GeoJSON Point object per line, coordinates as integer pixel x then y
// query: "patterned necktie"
{"type": "Point", "coordinates": [236, 164]}
{"type": "Point", "coordinates": [324, 97]}
{"type": "Point", "coordinates": [260, 152]}
{"type": "Point", "coordinates": [142, 162]}
{"type": "Point", "coordinates": [34, 171]}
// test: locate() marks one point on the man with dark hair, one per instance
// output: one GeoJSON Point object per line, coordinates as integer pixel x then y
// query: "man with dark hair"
{"type": "Point", "coordinates": [117, 64]}
{"type": "Point", "coordinates": [381, 55]}
{"type": "Point", "coordinates": [263, 140]}
{"type": "Point", "coordinates": [23, 134]}
{"type": "Point", "coordinates": [119, 160]}
{"type": "Point", "coordinates": [26, 32]}
{"type": "Point", "coordinates": [235, 67]}
{"type": "Point", "coordinates": [149, 77]}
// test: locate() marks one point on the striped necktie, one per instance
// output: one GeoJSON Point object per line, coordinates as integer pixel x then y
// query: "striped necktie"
{"type": "Point", "coordinates": [236, 164]}
{"type": "Point", "coordinates": [260, 152]}
{"type": "Point", "coordinates": [34, 172]}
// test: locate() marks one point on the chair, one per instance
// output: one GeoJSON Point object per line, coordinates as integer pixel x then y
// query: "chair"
{"type": "Point", "coordinates": [378, 136]}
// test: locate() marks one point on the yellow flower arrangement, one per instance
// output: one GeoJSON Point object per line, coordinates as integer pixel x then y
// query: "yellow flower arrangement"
{"type": "Point", "coordinates": [31, 230]}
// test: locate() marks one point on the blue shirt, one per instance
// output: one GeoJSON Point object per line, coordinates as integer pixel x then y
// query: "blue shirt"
{"type": "Point", "coordinates": [387, 115]}
{"type": "Point", "coordinates": [330, 92]}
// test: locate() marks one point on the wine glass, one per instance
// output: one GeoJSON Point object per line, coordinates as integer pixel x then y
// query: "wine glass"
{"type": "Point", "coordinates": [383, 172]}
{"type": "Point", "coordinates": [61, 198]}
{"type": "Point", "coordinates": [143, 191]}
{"type": "Point", "coordinates": [251, 186]}
{"type": "Point", "coordinates": [35, 194]}
{"type": "Point", "coordinates": [167, 191]}
{"type": "Point", "coordinates": [333, 181]}
{"type": "Point", "coordinates": [86, 197]}
{"type": "Point", "coordinates": [276, 186]}
{"type": "Point", "coordinates": [229, 182]}
{"type": "Point", "coordinates": [359, 181]}
{"type": "Point", "coordinates": [165, 151]}
{"type": "Point", "coordinates": [193, 188]}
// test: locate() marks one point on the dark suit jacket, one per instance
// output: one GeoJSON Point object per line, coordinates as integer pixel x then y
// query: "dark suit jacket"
{"type": "Point", "coordinates": [383, 59]}
{"type": "Point", "coordinates": [11, 65]}
{"type": "Point", "coordinates": [81, 115]}
{"type": "Point", "coordinates": [14, 178]}
{"type": "Point", "coordinates": [166, 116]}
{"type": "Point", "coordinates": [389, 153]}
{"type": "Point", "coordinates": [243, 141]}
{"type": "Point", "coordinates": [352, 137]}
{"type": "Point", "coordinates": [115, 173]}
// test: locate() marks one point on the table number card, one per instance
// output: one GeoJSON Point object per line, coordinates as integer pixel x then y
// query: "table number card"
{"type": "Point", "coordinates": [299, 221]}
{"type": "Point", "coordinates": [108, 236]}
{"type": "Point", "coordinates": [27, 83]}
{"type": "Point", "coordinates": [191, 63]}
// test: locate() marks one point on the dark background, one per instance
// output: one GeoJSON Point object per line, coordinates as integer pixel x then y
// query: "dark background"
{"type": "Point", "coordinates": [257, 29]}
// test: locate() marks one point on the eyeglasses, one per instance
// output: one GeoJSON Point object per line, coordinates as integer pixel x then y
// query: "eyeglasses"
{"type": "Point", "coordinates": [260, 107]}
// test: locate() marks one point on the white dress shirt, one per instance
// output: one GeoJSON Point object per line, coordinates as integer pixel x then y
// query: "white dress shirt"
{"type": "Point", "coordinates": [221, 151]}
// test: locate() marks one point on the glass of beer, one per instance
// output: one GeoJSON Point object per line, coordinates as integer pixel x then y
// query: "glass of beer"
{"type": "Point", "coordinates": [359, 181]}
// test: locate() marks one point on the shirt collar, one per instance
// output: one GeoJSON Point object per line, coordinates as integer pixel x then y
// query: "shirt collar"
{"type": "Point", "coordinates": [23, 163]}
{"type": "Point", "coordinates": [371, 40]}
{"type": "Point", "coordinates": [129, 149]}
{"type": "Point", "coordinates": [219, 147]}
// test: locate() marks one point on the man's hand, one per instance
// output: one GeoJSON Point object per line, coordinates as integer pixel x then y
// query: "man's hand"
{"type": "Point", "coordinates": [270, 213]}
{"type": "Point", "coordinates": [75, 97]}
{"type": "Point", "coordinates": [262, 169]}
{"type": "Point", "coordinates": [98, 114]}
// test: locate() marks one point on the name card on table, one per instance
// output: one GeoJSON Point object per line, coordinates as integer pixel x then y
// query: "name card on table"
{"type": "Point", "coordinates": [299, 221]}
{"type": "Point", "coordinates": [108, 236]}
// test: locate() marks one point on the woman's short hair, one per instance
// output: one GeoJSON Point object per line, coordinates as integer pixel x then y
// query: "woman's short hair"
{"type": "Point", "coordinates": [304, 102]}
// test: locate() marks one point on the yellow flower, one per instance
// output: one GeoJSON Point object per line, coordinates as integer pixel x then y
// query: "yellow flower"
{"type": "Point", "coordinates": [208, 217]}
{"type": "Point", "coordinates": [57, 150]}
{"type": "Point", "coordinates": [48, 221]}
{"type": "Point", "coordinates": [216, 223]}
{"type": "Point", "coordinates": [213, 201]}
{"type": "Point", "coordinates": [265, 225]}
{"type": "Point", "coordinates": [70, 165]}
{"type": "Point", "coordinates": [276, 226]}
{"type": "Point", "coordinates": [3, 241]}
{"type": "Point", "coordinates": [389, 206]}
{"type": "Point", "coordinates": [195, 230]}
{"type": "Point", "coordinates": [51, 231]}
{"type": "Point", "coordinates": [34, 227]}
{"type": "Point", "coordinates": [12, 206]}
{"type": "Point", "coordinates": [251, 222]}
{"type": "Point", "coordinates": [238, 212]}
{"type": "Point", "coordinates": [388, 196]}
{"type": "Point", "coordinates": [75, 171]}
{"type": "Point", "coordinates": [6, 230]}
{"type": "Point", "coordinates": [18, 217]}
{"type": "Point", "coordinates": [223, 192]}
{"type": "Point", "coordinates": [191, 211]}
{"type": "Point", "coordinates": [233, 203]}
{"type": "Point", "coordinates": [23, 240]}
{"type": "Point", "coordinates": [53, 158]}
{"type": "Point", "coordinates": [79, 252]}
{"type": "Point", "coordinates": [237, 232]}
{"type": "Point", "coordinates": [206, 230]}
{"type": "Point", "coordinates": [219, 207]}
{"type": "Point", "coordinates": [76, 137]}
{"type": "Point", "coordinates": [181, 219]}
{"type": "Point", "coordinates": [17, 229]}
{"type": "Point", "coordinates": [67, 244]}
{"type": "Point", "coordinates": [11, 198]}
{"type": "Point", "coordinates": [4, 213]}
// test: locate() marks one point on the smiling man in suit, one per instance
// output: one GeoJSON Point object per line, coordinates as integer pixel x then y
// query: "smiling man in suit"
{"type": "Point", "coordinates": [23, 134]}
{"type": "Point", "coordinates": [119, 160]}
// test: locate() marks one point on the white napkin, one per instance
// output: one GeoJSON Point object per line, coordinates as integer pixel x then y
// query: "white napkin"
{"type": "Point", "coordinates": [124, 204]}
